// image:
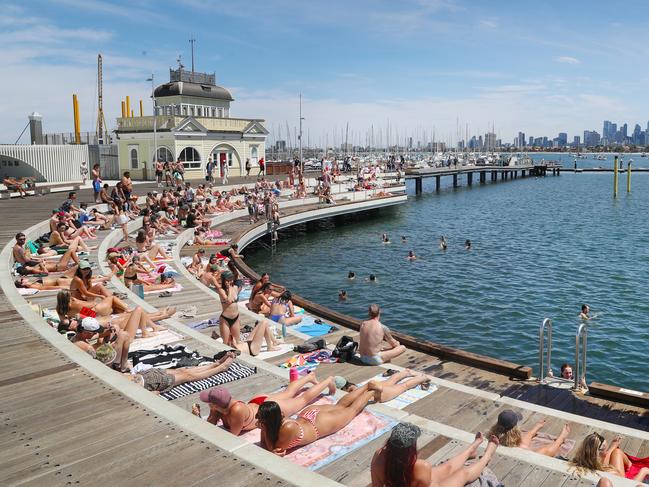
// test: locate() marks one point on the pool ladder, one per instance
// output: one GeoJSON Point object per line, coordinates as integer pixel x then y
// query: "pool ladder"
{"type": "Point", "coordinates": [545, 353]}
{"type": "Point", "coordinates": [547, 324]}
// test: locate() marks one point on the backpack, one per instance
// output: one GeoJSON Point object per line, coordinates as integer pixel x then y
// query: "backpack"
{"type": "Point", "coordinates": [345, 349]}
{"type": "Point", "coordinates": [311, 345]}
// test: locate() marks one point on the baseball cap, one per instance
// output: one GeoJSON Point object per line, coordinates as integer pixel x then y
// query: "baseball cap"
{"type": "Point", "coordinates": [219, 396]}
{"type": "Point", "coordinates": [404, 435]}
{"type": "Point", "coordinates": [91, 324]}
{"type": "Point", "coordinates": [84, 264]}
{"type": "Point", "coordinates": [227, 275]}
{"type": "Point", "coordinates": [340, 382]}
{"type": "Point", "coordinates": [508, 419]}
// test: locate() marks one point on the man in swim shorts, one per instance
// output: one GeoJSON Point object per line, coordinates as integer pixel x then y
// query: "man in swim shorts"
{"type": "Point", "coordinates": [376, 344]}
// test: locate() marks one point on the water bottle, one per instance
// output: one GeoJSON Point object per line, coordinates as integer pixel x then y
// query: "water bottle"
{"type": "Point", "coordinates": [283, 330]}
{"type": "Point", "coordinates": [293, 374]}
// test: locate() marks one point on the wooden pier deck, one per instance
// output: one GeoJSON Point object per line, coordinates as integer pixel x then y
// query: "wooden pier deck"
{"type": "Point", "coordinates": [64, 426]}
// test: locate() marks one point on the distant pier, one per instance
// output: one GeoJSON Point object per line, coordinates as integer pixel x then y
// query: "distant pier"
{"type": "Point", "coordinates": [506, 173]}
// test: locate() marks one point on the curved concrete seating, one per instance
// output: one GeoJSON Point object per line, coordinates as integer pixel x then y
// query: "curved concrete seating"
{"type": "Point", "coordinates": [258, 460]}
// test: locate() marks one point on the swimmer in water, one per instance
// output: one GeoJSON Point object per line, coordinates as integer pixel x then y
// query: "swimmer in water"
{"type": "Point", "coordinates": [385, 238]}
{"type": "Point", "coordinates": [351, 275]}
{"type": "Point", "coordinates": [585, 313]}
{"type": "Point", "coordinates": [342, 295]}
{"type": "Point", "coordinates": [403, 239]}
{"type": "Point", "coordinates": [467, 244]}
{"type": "Point", "coordinates": [372, 278]}
{"type": "Point", "coordinates": [443, 243]}
{"type": "Point", "coordinates": [411, 255]}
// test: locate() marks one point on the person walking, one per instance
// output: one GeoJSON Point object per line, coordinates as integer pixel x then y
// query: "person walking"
{"type": "Point", "coordinates": [209, 170]}
{"type": "Point", "coordinates": [226, 169]}
{"type": "Point", "coordinates": [261, 167]}
{"type": "Point", "coordinates": [96, 182]}
{"type": "Point", "coordinates": [248, 167]}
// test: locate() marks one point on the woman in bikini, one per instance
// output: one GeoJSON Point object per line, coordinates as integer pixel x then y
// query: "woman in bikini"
{"type": "Point", "coordinates": [144, 246]}
{"type": "Point", "coordinates": [67, 305]}
{"type": "Point", "coordinates": [279, 435]}
{"type": "Point", "coordinates": [238, 416]}
{"type": "Point", "coordinates": [261, 302]}
{"type": "Point", "coordinates": [396, 463]}
{"type": "Point", "coordinates": [282, 305]}
{"type": "Point", "coordinates": [82, 286]}
{"type": "Point", "coordinates": [229, 325]}
{"type": "Point", "coordinates": [211, 275]}
{"type": "Point", "coordinates": [59, 240]}
{"type": "Point", "coordinates": [44, 283]}
{"type": "Point", "coordinates": [507, 431]}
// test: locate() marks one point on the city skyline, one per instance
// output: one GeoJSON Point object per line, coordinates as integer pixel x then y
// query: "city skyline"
{"type": "Point", "coordinates": [415, 66]}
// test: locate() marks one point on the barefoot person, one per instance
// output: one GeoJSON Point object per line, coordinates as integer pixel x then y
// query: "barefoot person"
{"type": "Point", "coordinates": [595, 455]}
{"type": "Point", "coordinates": [260, 333]}
{"type": "Point", "coordinates": [376, 344]}
{"type": "Point", "coordinates": [279, 434]}
{"type": "Point", "coordinates": [161, 380]}
{"type": "Point", "coordinates": [507, 431]}
{"type": "Point", "coordinates": [392, 387]}
{"type": "Point", "coordinates": [229, 325]}
{"type": "Point", "coordinates": [396, 464]}
{"type": "Point", "coordinates": [238, 416]}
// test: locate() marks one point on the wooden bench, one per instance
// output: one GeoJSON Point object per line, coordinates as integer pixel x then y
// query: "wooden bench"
{"type": "Point", "coordinates": [6, 193]}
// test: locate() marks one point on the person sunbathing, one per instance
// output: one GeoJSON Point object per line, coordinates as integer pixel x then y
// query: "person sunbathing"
{"type": "Point", "coordinates": [279, 435]}
{"type": "Point", "coordinates": [116, 340]}
{"type": "Point", "coordinates": [44, 283]}
{"type": "Point", "coordinates": [260, 333]}
{"type": "Point", "coordinates": [83, 287]}
{"type": "Point", "coordinates": [159, 381]}
{"type": "Point", "coordinates": [30, 264]}
{"type": "Point", "coordinates": [196, 266]}
{"type": "Point", "coordinates": [507, 431]}
{"type": "Point", "coordinates": [238, 416]}
{"type": "Point", "coordinates": [260, 303]}
{"type": "Point", "coordinates": [396, 463]}
{"type": "Point", "coordinates": [60, 240]}
{"type": "Point", "coordinates": [67, 305]}
{"type": "Point", "coordinates": [595, 455]}
{"type": "Point", "coordinates": [282, 310]}
{"type": "Point", "coordinates": [15, 185]}
{"type": "Point", "coordinates": [154, 251]}
{"type": "Point", "coordinates": [391, 387]}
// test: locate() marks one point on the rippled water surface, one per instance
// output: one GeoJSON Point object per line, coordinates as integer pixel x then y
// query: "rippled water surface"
{"type": "Point", "coordinates": [542, 246]}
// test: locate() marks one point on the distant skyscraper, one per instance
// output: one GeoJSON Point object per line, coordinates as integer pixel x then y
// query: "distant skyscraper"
{"type": "Point", "coordinates": [576, 141]}
{"type": "Point", "coordinates": [562, 140]}
{"type": "Point", "coordinates": [520, 140]}
{"type": "Point", "coordinates": [591, 139]}
{"type": "Point", "coordinates": [490, 141]}
{"type": "Point", "coordinates": [608, 132]}
{"type": "Point", "coordinates": [531, 141]}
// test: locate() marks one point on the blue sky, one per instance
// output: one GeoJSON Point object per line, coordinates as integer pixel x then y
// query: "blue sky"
{"type": "Point", "coordinates": [417, 65]}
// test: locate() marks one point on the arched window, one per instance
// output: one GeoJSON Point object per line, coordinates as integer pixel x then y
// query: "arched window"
{"type": "Point", "coordinates": [190, 158]}
{"type": "Point", "coordinates": [254, 155]}
{"type": "Point", "coordinates": [133, 157]}
{"type": "Point", "coordinates": [164, 155]}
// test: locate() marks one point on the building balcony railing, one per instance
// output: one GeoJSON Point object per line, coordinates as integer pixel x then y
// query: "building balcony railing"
{"type": "Point", "coordinates": [168, 122]}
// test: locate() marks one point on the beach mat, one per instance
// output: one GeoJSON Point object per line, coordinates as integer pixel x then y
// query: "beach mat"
{"type": "Point", "coordinates": [235, 372]}
{"type": "Point", "coordinates": [176, 289]}
{"type": "Point", "coordinates": [408, 397]}
{"type": "Point", "coordinates": [364, 428]}
{"type": "Point", "coordinates": [545, 439]}
{"type": "Point", "coordinates": [283, 348]}
{"type": "Point", "coordinates": [160, 338]}
{"type": "Point", "coordinates": [308, 326]}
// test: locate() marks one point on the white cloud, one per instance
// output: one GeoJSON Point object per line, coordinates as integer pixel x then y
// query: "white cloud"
{"type": "Point", "coordinates": [568, 60]}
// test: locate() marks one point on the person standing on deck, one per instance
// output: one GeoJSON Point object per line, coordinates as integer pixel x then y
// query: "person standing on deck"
{"type": "Point", "coordinates": [376, 344]}
{"type": "Point", "coordinates": [226, 170]}
{"type": "Point", "coordinates": [209, 169]}
{"type": "Point", "coordinates": [248, 167]}
{"type": "Point", "coordinates": [96, 182]}
{"type": "Point", "coordinates": [261, 167]}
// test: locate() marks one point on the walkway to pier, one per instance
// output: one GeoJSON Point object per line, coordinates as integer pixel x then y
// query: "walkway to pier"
{"type": "Point", "coordinates": [65, 426]}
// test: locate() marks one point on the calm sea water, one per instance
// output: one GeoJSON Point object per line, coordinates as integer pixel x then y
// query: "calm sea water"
{"type": "Point", "coordinates": [542, 247]}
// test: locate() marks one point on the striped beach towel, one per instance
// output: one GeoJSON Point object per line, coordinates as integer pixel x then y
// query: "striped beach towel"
{"type": "Point", "coordinates": [235, 372]}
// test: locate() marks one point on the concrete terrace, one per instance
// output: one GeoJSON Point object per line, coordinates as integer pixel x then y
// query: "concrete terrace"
{"type": "Point", "coordinates": [69, 420]}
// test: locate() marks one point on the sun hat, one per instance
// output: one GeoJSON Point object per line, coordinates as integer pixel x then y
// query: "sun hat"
{"type": "Point", "coordinates": [508, 419]}
{"type": "Point", "coordinates": [106, 354]}
{"type": "Point", "coordinates": [84, 264]}
{"type": "Point", "coordinates": [219, 396]}
{"type": "Point", "coordinates": [404, 435]}
{"type": "Point", "coordinates": [91, 324]}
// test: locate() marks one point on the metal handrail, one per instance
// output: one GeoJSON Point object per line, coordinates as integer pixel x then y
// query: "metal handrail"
{"type": "Point", "coordinates": [547, 323]}
{"type": "Point", "coordinates": [581, 345]}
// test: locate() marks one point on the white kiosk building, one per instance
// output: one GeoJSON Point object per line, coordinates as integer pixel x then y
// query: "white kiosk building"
{"type": "Point", "coordinates": [192, 124]}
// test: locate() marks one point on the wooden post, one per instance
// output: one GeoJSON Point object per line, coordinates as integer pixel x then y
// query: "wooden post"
{"type": "Point", "coordinates": [523, 173]}
{"type": "Point", "coordinates": [438, 182]}
{"type": "Point", "coordinates": [469, 179]}
{"type": "Point", "coordinates": [483, 177]}
{"type": "Point", "coordinates": [455, 180]}
{"type": "Point", "coordinates": [418, 185]}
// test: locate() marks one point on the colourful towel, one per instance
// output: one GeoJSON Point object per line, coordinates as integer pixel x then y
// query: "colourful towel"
{"type": "Point", "coordinates": [408, 397]}
{"type": "Point", "coordinates": [177, 288]}
{"type": "Point", "coordinates": [314, 329]}
{"type": "Point", "coordinates": [364, 428]}
{"type": "Point", "coordinates": [636, 465]}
